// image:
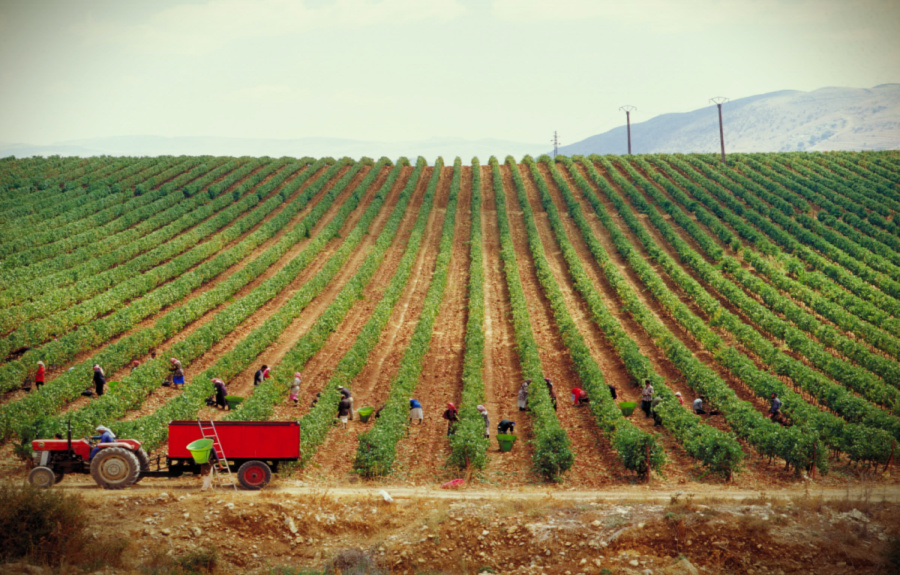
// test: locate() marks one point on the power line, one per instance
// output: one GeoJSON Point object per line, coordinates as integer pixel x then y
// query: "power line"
{"type": "Point", "coordinates": [555, 141]}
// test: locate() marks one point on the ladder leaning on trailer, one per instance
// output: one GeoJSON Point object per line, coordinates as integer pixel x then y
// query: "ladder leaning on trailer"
{"type": "Point", "coordinates": [208, 431]}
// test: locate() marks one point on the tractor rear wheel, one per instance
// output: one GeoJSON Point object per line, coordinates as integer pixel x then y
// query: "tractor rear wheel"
{"type": "Point", "coordinates": [115, 468]}
{"type": "Point", "coordinates": [59, 476]}
{"type": "Point", "coordinates": [143, 461]}
{"type": "Point", "coordinates": [254, 475]}
{"type": "Point", "coordinates": [42, 477]}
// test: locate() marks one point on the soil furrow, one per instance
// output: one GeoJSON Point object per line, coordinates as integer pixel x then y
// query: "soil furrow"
{"type": "Point", "coordinates": [502, 371]}
{"type": "Point", "coordinates": [595, 462]}
{"type": "Point", "coordinates": [229, 342]}
{"type": "Point", "coordinates": [421, 456]}
{"type": "Point", "coordinates": [206, 287]}
{"type": "Point", "coordinates": [371, 387]}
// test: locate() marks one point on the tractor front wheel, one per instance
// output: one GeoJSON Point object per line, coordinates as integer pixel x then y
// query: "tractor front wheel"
{"type": "Point", "coordinates": [115, 468]}
{"type": "Point", "coordinates": [254, 475]}
{"type": "Point", "coordinates": [42, 477]}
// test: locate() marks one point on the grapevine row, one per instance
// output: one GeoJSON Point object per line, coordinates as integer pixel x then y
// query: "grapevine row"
{"type": "Point", "coordinates": [552, 455]}
{"type": "Point", "coordinates": [377, 447]}
{"type": "Point", "coordinates": [468, 446]}
{"type": "Point", "coordinates": [635, 447]}
{"type": "Point", "coordinates": [134, 388]}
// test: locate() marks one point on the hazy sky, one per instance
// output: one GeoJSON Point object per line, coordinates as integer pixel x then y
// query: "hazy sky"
{"type": "Point", "coordinates": [413, 69]}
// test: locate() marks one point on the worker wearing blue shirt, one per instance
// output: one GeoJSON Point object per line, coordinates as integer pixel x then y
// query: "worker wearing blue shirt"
{"type": "Point", "coordinates": [106, 436]}
{"type": "Point", "coordinates": [415, 411]}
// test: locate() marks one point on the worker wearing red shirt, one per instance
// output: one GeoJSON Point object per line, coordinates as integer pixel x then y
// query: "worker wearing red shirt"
{"type": "Point", "coordinates": [39, 376]}
{"type": "Point", "coordinates": [579, 396]}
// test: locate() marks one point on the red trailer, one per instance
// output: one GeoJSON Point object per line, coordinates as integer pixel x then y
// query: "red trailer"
{"type": "Point", "coordinates": [254, 448]}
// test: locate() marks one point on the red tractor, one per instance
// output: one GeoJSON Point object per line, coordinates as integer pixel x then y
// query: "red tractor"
{"type": "Point", "coordinates": [116, 465]}
{"type": "Point", "coordinates": [255, 449]}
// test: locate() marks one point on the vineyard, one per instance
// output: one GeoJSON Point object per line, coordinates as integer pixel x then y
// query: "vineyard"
{"type": "Point", "coordinates": [776, 274]}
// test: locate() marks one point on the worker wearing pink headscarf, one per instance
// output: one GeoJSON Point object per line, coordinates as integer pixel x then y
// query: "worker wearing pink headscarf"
{"type": "Point", "coordinates": [487, 420]}
{"type": "Point", "coordinates": [451, 414]}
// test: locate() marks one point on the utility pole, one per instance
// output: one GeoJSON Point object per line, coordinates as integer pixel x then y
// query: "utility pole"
{"type": "Point", "coordinates": [555, 141]}
{"type": "Point", "coordinates": [628, 110]}
{"type": "Point", "coordinates": [718, 101]}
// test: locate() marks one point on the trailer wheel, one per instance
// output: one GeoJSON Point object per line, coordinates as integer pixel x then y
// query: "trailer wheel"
{"type": "Point", "coordinates": [143, 462]}
{"type": "Point", "coordinates": [115, 468]}
{"type": "Point", "coordinates": [254, 475]}
{"type": "Point", "coordinates": [42, 477]}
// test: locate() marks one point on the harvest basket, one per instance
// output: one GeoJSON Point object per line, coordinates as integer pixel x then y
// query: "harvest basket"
{"type": "Point", "coordinates": [627, 407]}
{"type": "Point", "coordinates": [365, 413]}
{"type": "Point", "coordinates": [506, 441]}
{"type": "Point", "coordinates": [200, 450]}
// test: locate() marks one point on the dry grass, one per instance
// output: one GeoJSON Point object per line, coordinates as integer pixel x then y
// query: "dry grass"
{"type": "Point", "coordinates": [47, 526]}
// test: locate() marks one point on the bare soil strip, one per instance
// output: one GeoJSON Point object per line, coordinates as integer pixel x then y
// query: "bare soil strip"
{"type": "Point", "coordinates": [757, 470]}
{"type": "Point", "coordinates": [502, 371]}
{"type": "Point", "coordinates": [165, 393]}
{"type": "Point", "coordinates": [595, 461]}
{"type": "Point", "coordinates": [237, 267]}
{"type": "Point", "coordinates": [319, 368]}
{"type": "Point", "coordinates": [422, 455]}
{"type": "Point", "coordinates": [371, 387]}
{"type": "Point", "coordinates": [230, 341]}
{"type": "Point", "coordinates": [681, 465]}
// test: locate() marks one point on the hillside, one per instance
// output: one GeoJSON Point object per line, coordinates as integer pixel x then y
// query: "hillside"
{"type": "Point", "coordinates": [784, 121]}
{"type": "Point", "coordinates": [452, 283]}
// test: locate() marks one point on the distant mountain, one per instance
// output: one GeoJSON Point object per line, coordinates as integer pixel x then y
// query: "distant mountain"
{"type": "Point", "coordinates": [785, 121]}
{"type": "Point", "coordinates": [449, 148]}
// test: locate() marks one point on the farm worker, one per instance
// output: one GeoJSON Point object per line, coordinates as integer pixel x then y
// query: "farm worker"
{"type": "Point", "coordinates": [295, 388]}
{"type": "Point", "coordinates": [680, 399]}
{"type": "Point", "coordinates": [345, 394]}
{"type": "Point", "coordinates": [487, 420]}
{"type": "Point", "coordinates": [657, 420]}
{"type": "Point", "coordinates": [316, 399]}
{"type": "Point", "coordinates": [261, 374]}
{"type": "Point", "coordinates": [451, 414]}
{"type": "Point", "coordinates": [551, 392]}
{"type": "Point", "coordinates": [579, 396]}
{"type": "Point", "coordinates": [221, 391]}
{"type": "Point", "coordinates": [344, 409]}
{"type": "Point", "coordinates": [415, 411]}
{"type": "Point", "coordinates": [612, 391]}
{"type": "Point", "coordinates": [106, 436]}
{"type": "Point", "coordinates": [39, 376]}
{"type": "Point", "coordinates": [775, 410]}
{"type": "Point", "coordinates": [506, 426]}
{"type": "Point", "coordinates": [523, 395]}
{"type": "Point", "coordinates": [99, 379]}
{"type": "Point", "coordinates": [646, 397]}
{"type": "Point", "coordinates": [134, 365]}
{"type": "Point", "coordinates": [177, 373]}
{"type": "Point", "coordinates": [698, 408]}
